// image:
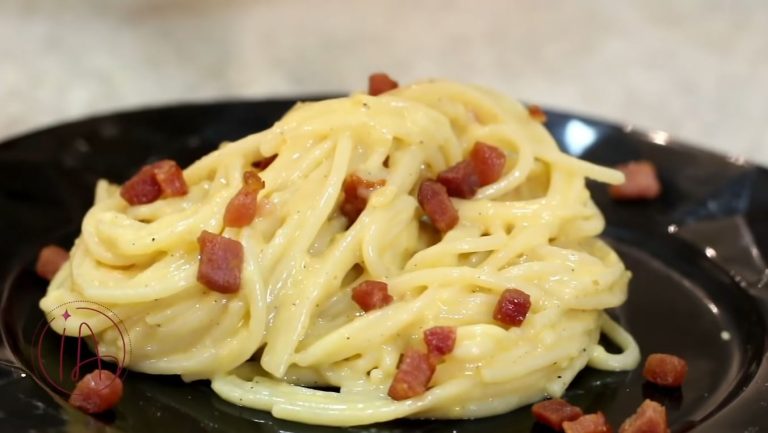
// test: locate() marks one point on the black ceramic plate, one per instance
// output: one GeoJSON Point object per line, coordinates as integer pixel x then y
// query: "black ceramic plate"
{"type": "Point", "coordinates": [698, 289]}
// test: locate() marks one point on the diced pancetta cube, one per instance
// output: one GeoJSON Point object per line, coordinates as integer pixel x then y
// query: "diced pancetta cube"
{"type": "Point", "coordinates": [379, 83]}
{"type": "Point", "coordinates": [489, 162]}
{"type": "Point", "coordinates": [440, 340]}
{"type": "Point", "coordinates": [50, 259]}
{"type": "Point", "coordinates": [434, 201]}
{"type": "Point", "coordinates": [592, 423]}
{"type": "Point", "coordinates": [413, 375]}
{"type": "Point", "coordinates": [650, 417]}
{"type": "Point", "coordinates": [241, 209]}
{"type": "Point", "coordinates": [460, 180]}
{"type": "Point", "coordinates": [641, 182]}
{"type": "Point", "coordinates": [555, 412]}
{"type": "Point", "coordinates": [512, 307]}
{"type": "Point", "coordinates": [371, 295]}
{"type": "Point", "coordinates": [160, 179]}
{"type": "Point", "coordinates": [357, 191]}
{"type": "Point", "coordinates": [97, 391]}
{"type": "Point", "coordinates": [221, 262]}
{"type": "Point", "coordinates": [665, 370]}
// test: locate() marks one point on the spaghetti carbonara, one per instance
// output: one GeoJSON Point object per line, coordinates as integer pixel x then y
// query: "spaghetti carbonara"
{"type": "Point", "coordinates": [291, 340]}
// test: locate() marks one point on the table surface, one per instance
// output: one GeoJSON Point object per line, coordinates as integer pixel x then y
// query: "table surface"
{"type": "Point", "coordinates": [695, 69]}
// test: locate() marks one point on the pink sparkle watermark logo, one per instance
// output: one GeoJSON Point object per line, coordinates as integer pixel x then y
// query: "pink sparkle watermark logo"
{"type": "Point", "coordinates": [57, 365]}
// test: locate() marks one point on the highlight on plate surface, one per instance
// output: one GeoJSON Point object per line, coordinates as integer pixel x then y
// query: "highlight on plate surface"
{"type": "Point", "coordinates": [421, 251]}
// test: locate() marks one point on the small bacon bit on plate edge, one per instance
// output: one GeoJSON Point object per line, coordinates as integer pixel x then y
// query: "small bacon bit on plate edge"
{"type": "Point", "coordinates": [97, 391]}
{"type": "Point", "coordinates": [650, 417]}
{"type": "Point", "coordinates": [665, 370]}
{"type": "Point", "coordinates": [555, 412]}
{"type": "Point", "coordinates": [641, 182]}
{"type": "Point", "coordinates": [590, 423]}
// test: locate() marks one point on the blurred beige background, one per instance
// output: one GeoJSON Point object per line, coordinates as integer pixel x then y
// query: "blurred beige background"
{"type": "Point", "coordinates": [695, 68]}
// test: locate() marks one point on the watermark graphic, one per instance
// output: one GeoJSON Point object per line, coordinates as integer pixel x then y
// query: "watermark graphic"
{"type": "Point", "coordinates": [70, 328]}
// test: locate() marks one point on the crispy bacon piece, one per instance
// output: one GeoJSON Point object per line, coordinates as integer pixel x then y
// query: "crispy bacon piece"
{"type": "Point", "coordinates": [489, 162]}
{"type": "Point", "coordinates": [413, 375]}
{"type": "Point", "coordinates": [50, 259]}
{"type": "Point", "coordinates": [356, 193]}
{"type": "Point", "coordinates": [650, 417]}
{"type": "Point", "coordinates": [241, 209]}
{"type": "Point", "coordinates": [537, 113]}
{"type": "Point", "coordinates": [433, 199]}
{"type": "Point", "coordinates": [440, 340]}
{"type": "Point", "coordinates": [665, 370]}
{"type": "Point", "coordinates": [221, 262]}
{"type": "Point", "coordinates": [555, 412]}
{"type": "Point", "coordinates": [484, 166]}
{"type": "Point", "coordinates": [262, 164]}
{"type": "Point", "coordinates": [379, 83]}
{"type": "Point", "coordinates": [161, 179]}
{"type": "Point", "coordinates": [460, 180]}
{"type": "Point", "coordinates": [642, 182]}
{"type": "Point", "coordinates": [592, 423]}
{"type": "Point", "coordinates": [512, 307]}
{"type": "Point", "coordinates": [371, 295]}
{"type": "Point", "coordinates": [97, 391]}
{"type": "Point", "coordinates": [170, 177]}
{"type": "Point", "coordinates": [142, 188]}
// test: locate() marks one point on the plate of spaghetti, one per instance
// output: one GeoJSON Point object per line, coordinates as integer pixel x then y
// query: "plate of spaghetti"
{"type": "Point", "coordinates": [426, 257]}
